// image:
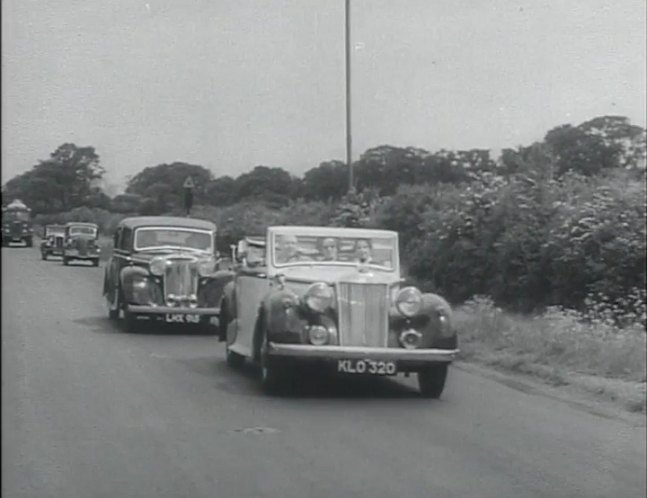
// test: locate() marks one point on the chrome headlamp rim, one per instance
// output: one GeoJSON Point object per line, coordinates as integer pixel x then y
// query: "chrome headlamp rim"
{"type": "Point", "coordinates": [318, 297]}
{"type": "Point", "coordinates": [206, 266]}
{"type": "Point", "coordinates": [408, 301]}
{"type": "Point", "coordinates": [157, 265]}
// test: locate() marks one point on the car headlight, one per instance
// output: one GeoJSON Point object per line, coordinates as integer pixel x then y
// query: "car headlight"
{"type": "Point", "coordinates": [206, 267]}
{"type": "Point", "coordinates": [318, 297]}
{"type": "Point", "coordinates": [409, 301]}
{"type": "Point", "coordinates": [157, 266]}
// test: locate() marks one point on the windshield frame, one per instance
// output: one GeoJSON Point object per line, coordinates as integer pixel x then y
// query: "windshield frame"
{"type": "Point", "coordinates": [341, 234]}
{"type": "Point", "coordinates": [210, 233]}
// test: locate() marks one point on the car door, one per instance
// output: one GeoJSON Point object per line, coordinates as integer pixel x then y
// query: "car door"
{"type": "Point", "coordinates": [251, 286]}
{"type": "Point", "coordinates": [113, 268]}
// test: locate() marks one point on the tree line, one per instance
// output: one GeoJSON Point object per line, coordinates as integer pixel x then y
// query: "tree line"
{"type": "Point", "coordinates": [554, 222]}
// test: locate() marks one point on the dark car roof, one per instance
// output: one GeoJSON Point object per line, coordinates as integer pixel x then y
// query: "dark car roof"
{"type": "Point", "coordinates": [167, 221]}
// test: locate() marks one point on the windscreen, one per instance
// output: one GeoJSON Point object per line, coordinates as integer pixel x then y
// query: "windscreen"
{"type": "Point", "coordinates": [374, 250]}
{"type": "Point", "coordinates": [147, 238]}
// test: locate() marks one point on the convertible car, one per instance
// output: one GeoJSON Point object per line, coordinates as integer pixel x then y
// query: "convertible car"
{"type": "Point", "coordinates": [81, 243]}
{"type": "Point", "coordinates": [333, 297]}
{"type": "Point", "coordinates": [164, 269]}
{"type": "Point", "coordinates": [53, 241]}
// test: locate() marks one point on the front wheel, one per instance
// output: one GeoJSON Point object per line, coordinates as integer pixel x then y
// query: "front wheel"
{"type": "Point", "coordinates": [66, 261]}
{"type": "Point", "coordinates": [29, 242]}
{"type": "Point", "coordinates": [271, 374]}
{"type": "Point", "coordinates": [130, 321]}
{"type": "Point", "coordinates": [95, 262]}
{"type": "Point", "coordinates": [234, 360]}
{"type": "Point", "coordinates": [43, 255]}
{"type": "Point", "coordinates": [431, 380]}
{"type": "Point", "coordinates": [113, 305]}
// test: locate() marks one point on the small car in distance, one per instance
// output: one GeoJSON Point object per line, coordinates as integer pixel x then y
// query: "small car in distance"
{"type": "Point", "coordinates": [53, 242]}
{"type": "Point", "coordinates": [333, 297]}
{"type": "Point", "coordinates": [164, 269]}
{"type": "Point", "coordinates": [81, 243]}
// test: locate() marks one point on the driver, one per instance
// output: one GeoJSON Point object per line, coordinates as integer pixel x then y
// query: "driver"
{"type": "Point", "coordinates": [290, 250]}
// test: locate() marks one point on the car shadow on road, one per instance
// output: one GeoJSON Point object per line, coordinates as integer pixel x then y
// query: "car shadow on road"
{"type": "Point", "coordinates": [309, 383]}
{"type": "Point", "coordinates": [103, 324]}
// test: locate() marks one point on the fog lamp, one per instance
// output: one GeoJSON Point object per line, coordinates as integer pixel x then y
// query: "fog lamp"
{"type": "Point", "coordinates": [318, 335]}
{"type": "Point", "coordinates": [410, 339]}
{"type": "Point", "coordinates": [193, 301]}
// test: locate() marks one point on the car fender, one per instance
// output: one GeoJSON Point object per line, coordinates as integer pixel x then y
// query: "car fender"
{"type": "Point", "coordinates": [437, 332]}
{"type": "Point", "coordinates": [283, 320]}
{"type": "Point", "coordinates": [125, 278]}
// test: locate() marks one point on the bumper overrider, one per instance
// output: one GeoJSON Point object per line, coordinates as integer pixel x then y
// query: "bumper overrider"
{"type": "Point", "coordinates": [404, 359]}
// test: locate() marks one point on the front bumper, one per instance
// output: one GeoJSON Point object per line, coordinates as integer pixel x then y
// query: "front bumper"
{"type": "Point", "coordinates": [163, 310]}
{"type": "Point", "coordinates": [405, 358]}
{"type": "Point", "coordinates": [76, 255]}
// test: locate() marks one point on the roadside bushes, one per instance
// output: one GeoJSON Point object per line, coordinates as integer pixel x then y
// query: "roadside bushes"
{"type": "Point", "coordinates": [526, 241]}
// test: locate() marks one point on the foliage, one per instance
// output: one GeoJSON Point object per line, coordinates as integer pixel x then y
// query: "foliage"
{"type": "Point", "coordinates": [554, 343]}
{"type": "Point", "coordinates": [328, 181]}
{"type": "Point", "coordinates": [66, 180]}
{"type": "Point", "coordinates": [106, 220]}
{"type": "Point", "coordinates": [162, 187]}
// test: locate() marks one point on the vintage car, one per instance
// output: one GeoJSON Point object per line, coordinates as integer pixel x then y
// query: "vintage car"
{"type": "Point", "coordinates": [333, 297]}
{"type": "Point", "coordinates": [81, 243]}
{"type": "Point", "coordinates": [164, 269]}
{"type": "Point", "coordinates": [53, 241]}
{"type": "Point", "coordinates": [17, 224]}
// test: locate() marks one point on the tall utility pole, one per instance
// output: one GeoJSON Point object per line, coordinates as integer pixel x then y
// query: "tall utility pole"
{"type": "Point", "coordinates": [349, 141]}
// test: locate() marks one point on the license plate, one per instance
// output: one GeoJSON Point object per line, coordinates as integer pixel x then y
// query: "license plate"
{"type": "Point", "coordinates": [371, 367]}
{"type": "Point", "coordinates": [182, 318]}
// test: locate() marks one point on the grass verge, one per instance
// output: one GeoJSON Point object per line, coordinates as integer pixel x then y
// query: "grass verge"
{"type": "Point", "coordinates": [562, 347]}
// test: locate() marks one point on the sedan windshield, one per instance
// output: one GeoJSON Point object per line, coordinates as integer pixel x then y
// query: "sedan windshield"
{"type": "Point", "coordinates": [153, 238]}
{"type": "Point", "coordinates": [83, 231]}
{"type": "Point", "coordinates": [331, 249]}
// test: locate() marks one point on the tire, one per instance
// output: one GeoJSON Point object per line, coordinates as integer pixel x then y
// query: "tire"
{"type": "Point", "coordinates": [234, 360]}
{"type": "Point", "coordinates": [29, 242]}
{"type": "Point", "coordinates": [114, 314]}
{"type": "Point", "coordinates": [130, 322]}
{"type": "Point", "coordinates": [223, 323]}
{"type": "Point", "coordinates": [271, 375]}
{"type": "Point", "coordinates": [95, 262]}
{"type": "Point", "coordinates": [66, 261]}
{"type": "Point", "coordinates": [431, 380]}
{"type": "Point", "coordinates": [44, 256]}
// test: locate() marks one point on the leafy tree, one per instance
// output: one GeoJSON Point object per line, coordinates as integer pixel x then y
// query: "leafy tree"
{"type": "Point", "coordinates": [221, 191]}
{"type": "Point", "coordinates": [385, 167]}
{"type": "Point", "coordinates": [164, 184]}
{"type": "Point", "coordinates": [327, 181]}
{"type": "Point", "coordinates": [263, 182]}
{"type": "Point", "coordinates": [64, 181]}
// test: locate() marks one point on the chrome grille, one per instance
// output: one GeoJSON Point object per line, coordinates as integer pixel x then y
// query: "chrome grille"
{"type": "Point", "coordinates": [363, 314]}
{"type": "Point", "coordinates": [180, 280]}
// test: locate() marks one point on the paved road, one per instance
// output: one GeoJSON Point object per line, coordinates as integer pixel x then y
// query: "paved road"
{"type": "Point", "coordinates": [90, 411]}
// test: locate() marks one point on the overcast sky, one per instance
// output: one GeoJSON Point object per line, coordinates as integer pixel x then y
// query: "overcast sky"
{"type": "Point", "coordinates": [230, 84]}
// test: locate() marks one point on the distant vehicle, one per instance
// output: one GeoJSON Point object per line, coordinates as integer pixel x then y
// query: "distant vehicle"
{"type": "Point", "coordinates": [17, 224]}
{"type": "Point", "coordinates": [164, 269]}
{"type": "Point", "coordinates": [81, 243]}
{"type": "Point", "coordinates": [333, 297]}
{"type": "Point", "coordinates": [53, 243]}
